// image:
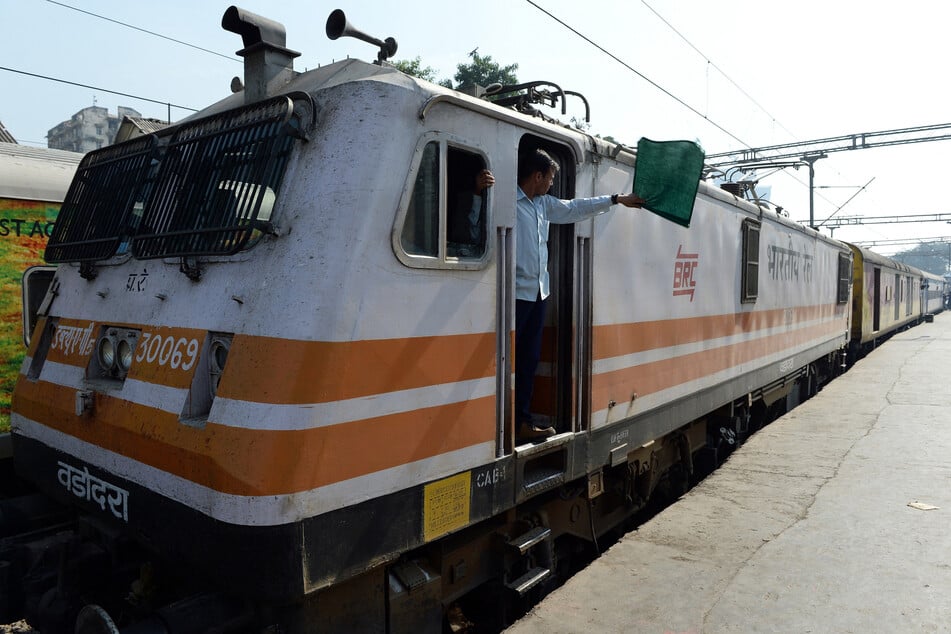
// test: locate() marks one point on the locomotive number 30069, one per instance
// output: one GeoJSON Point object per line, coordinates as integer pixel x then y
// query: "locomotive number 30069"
{"type": "Point", "coordinates": [180, 353]}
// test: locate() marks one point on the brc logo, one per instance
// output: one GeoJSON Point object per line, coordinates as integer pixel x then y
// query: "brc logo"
{"type": "Point", "coordinates": [684, 267]}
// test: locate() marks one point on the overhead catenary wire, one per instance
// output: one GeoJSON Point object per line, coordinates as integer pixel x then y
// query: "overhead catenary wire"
{"type": "Point", "coordinates": [861, 189]}
{"type": "Point", "coordinates": [717, 68]}
{"type": "Point", "coordinates": [664, 90]}
{"type": "Point", "coordinates": [137, 28]}
{"type": "Point", "coordinates": [739, 88]}
{"type": "Point", "coordinates": [637, 72]}
{"type": "Point", "coordinates": [114, 92]}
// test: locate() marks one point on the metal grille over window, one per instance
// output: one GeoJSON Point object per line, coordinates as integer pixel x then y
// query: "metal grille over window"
{"type": "Point", "coordinates": [101, 201]}
{"type": "Point", "coordinates": [750, 281]}
{"type": "Point", "coordinates": [218, 181]}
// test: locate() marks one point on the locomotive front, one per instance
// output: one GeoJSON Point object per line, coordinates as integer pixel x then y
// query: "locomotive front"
{"type": "Point", "coordinates": [132, 405]}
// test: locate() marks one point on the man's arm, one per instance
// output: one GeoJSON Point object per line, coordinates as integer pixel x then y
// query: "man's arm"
{"type": "Point", "coordinates": [568, 211]}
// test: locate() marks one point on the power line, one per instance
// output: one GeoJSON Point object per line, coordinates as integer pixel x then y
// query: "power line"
{"type": "Point", "coordinates": [735, 84]}
{"type": "Point", "coordinates": [658, 86]}
{"type": "Point", "coordinates": [114, 92]}
{"type": "Point", "coordinates": [717, 68]}
{"type": "Point", "coordinates": [131, 26]}
{"type": "Point", "coordinates": [637, 72]}
{"type": "Point", "coordinates": [861, 189]}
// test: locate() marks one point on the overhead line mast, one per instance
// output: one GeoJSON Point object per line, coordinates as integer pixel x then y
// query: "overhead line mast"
{"type": "Point", "coordinates": [887, 220]}
{"type": "Point", "coordinates": [860, 141]}
{"type": "Point", "coordinates": [811, 151]}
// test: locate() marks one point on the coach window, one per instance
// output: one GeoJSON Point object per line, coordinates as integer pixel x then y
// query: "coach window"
{"type": "Point", "coordinates": [749, 283]}
{"type": "Point", "coordinates": [443, 220]}
{"type": "Point", "coordinates": [845, 277]}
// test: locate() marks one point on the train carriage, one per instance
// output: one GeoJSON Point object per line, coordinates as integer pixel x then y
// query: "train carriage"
{"type": "Point", "coordinates": [278, 352]}
{"type": "Point", "coordinates": [887, 298]}
{"type": "Point", "coordinates": [33, 182]}
{"type": "Point", "coordinates": [933, 293]}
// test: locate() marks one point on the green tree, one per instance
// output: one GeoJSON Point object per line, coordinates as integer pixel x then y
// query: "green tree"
{"type": "Point", "coordinates": [415, 68]}
{"type": "Point", "coordinates": [483, 70]}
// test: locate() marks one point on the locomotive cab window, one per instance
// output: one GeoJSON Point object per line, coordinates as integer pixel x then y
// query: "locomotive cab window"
{"type": "Point", "coordinates": [749, 282]}
{"type": "Point", "coordinates": [445, 219]}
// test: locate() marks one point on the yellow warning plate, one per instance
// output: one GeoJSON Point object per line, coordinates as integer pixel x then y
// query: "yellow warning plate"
{"type": "Point", "coordinates": [446, 505]}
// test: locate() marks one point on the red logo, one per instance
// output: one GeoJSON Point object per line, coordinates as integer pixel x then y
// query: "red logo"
{"type": "Point", "coordinates": [684, 267]}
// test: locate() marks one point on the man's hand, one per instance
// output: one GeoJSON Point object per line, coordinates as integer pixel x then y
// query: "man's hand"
{"type": "Point", "coordinates": [484, 180]}
{"type": "Point", "coordinates": [630, 200]}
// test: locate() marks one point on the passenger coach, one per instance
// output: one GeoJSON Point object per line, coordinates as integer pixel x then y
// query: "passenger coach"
{"type": "Point", "coordinates": [33, 182]}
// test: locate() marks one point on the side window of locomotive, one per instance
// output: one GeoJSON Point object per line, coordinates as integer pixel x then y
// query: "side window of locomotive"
{"type": "Point", "coordinates": [421, 227]}
{"type": "Point", "coordinates": [466, 208]}
{"type": "Point", "coordinates": [444, 225]}
{"type": "Point", "coordinates": [749, 283]}
{"type": "Point", "coordinates": [845, 277]}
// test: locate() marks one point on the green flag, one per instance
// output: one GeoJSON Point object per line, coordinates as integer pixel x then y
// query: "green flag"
{"type": "Point", "coordinates": [667, 175]}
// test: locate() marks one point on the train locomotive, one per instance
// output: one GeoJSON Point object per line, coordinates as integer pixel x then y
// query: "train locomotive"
{"type": "Point", "coordinates": [270, 386]}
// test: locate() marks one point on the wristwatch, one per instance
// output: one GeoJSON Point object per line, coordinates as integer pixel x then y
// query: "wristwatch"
{"type": "Point", "coordinates": [614, 199]}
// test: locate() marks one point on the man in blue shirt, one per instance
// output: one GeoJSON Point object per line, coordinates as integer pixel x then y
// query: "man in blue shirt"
{"type": "Point", "coordinates": [535, 211]}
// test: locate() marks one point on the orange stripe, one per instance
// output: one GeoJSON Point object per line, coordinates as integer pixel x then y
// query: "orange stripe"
{"type": "Point", "coordinates": [649, 378]}
{"type": "Point", "coordinates": [76, 349]}
{"type": "Point", "coordinates": [170, 350]}
{"type": "Point", "coordinates": [620, 339]}
{"type": "Point", "coordinates": [261, 462]}
{"type": "Point", "coordinates": [269, 370]}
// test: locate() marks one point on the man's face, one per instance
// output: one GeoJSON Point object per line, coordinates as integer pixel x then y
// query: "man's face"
{"type": "Point", "coordinates": [543, 182]}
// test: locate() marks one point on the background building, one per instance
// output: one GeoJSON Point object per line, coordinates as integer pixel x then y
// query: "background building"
{"type": "Point", "coordinates": [89, 129]}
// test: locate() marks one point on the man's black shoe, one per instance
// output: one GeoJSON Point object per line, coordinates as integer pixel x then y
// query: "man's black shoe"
{"type": "Point", "coordinates": [532, 433]}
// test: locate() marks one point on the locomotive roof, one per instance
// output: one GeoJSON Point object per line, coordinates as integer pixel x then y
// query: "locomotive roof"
{"type": "Point", "coordinates": [313, 81]}
{"type": "Point", "coordinates": [347, 71]}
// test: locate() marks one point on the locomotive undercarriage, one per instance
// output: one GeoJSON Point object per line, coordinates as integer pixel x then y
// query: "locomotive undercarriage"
{"type": "Point", "coordinates": [65, 572]}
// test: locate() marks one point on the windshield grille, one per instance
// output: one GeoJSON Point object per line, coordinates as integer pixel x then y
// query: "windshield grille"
{"type": "Point", "coordinates": [100, 200]}
{"type": "Point", "coordinates": [214, 177]}
{"type": "Point", "coordinates": [208, 191]}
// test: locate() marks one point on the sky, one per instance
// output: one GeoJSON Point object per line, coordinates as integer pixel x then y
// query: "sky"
{"type": "Point", "coordinates": [728, 74]}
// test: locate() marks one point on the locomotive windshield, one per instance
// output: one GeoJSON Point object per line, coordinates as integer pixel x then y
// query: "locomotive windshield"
{"type": "Point", "coordinates": [205, 192]}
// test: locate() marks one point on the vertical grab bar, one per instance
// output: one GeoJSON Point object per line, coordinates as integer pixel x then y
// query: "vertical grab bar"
{"type": "Point", "coordinates": [504, 307]}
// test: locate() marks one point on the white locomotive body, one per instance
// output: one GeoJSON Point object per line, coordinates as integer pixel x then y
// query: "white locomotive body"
{"type": "Point", "coordinates": [279, 349]}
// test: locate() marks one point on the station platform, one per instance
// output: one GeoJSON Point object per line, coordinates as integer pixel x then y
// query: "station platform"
{"type": "Point", "coordinates": [834, 518]}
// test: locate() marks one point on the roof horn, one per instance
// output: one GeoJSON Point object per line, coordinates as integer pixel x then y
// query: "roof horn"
{"type": "Point", "coordinates": [337, 26]}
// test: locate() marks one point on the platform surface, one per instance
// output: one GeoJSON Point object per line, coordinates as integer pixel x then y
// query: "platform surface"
{"type": "Point", "coordinates": [816, 524]}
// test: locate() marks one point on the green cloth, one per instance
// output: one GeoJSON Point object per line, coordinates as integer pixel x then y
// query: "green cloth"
{"type": "Point", "coordinates": [667, 175]}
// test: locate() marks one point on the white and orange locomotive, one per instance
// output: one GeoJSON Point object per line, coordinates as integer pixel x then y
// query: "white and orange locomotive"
{"type": "Point", "coordinates": [270, 388]}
